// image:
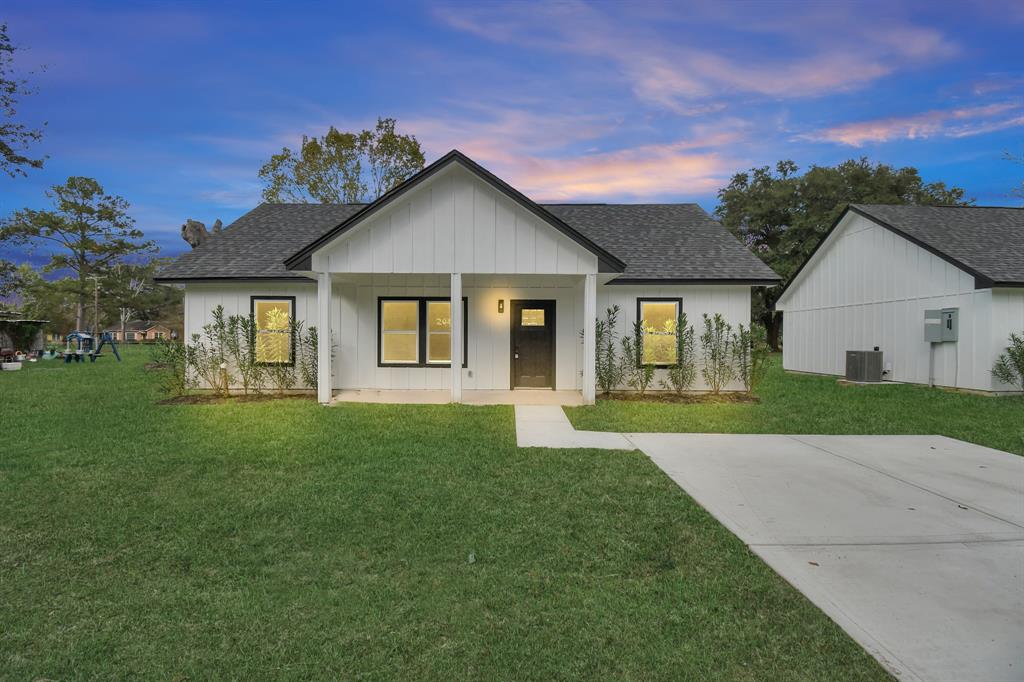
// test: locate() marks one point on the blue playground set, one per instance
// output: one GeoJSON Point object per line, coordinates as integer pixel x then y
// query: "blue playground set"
{"type": "Point", "coordinates": [82, 345]}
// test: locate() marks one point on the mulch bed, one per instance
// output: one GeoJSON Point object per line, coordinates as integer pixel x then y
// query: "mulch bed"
{"type": "Point", "coordinates": [210, 399]}
{"type": "Point", "coordinates": [685, 399]}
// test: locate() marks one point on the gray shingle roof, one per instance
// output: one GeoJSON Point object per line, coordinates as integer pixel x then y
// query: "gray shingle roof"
{"type": "Point", "coordinates": [656, 241]}
{"type": "Point", "coordinates": [255, 245]}
{"type": "Point", "coordinates": [987, 242]}
{"type": "Point", "coordinates": [665, 241]}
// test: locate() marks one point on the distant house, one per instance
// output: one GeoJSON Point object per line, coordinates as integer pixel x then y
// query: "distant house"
{"type": "Point", "coordinates": [876, 273]}
{"type": "Point", "coordinates": [140, 332]}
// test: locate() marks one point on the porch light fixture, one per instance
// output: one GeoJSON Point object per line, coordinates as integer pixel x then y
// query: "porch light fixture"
{"type": "Point", "coordinates": [501, 305]}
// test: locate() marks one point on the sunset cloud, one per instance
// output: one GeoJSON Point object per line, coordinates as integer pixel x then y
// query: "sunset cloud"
{"type": "Point", "coordinates": [672, 74]}
{"type": "Point", "coordinates": [961, 122]}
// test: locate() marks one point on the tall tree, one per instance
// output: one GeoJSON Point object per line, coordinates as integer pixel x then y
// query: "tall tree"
{"type": "Point", "coordinates": [15, 137]}
{"type": "Point", "coordinates": [782, 215]}
{"type": "Point", "coordinates": [129, 293]}
{"type": "Point", "coordinates": [88, 230]}
{"type": "Point", "coordinates": [342, 167]}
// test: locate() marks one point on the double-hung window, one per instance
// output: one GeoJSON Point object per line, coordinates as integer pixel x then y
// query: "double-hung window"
{"type": "Point", "coordinates": [659, 318]}
{"type": "Point", "coordinates": [417, 332]}
{"type": "Point", "coordinates": [274, 316]}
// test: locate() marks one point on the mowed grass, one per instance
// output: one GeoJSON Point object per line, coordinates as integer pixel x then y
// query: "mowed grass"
{"type": "Point", "coordinates": [287, 540]}
{"type": "Point", "coordinates": [803, 404]}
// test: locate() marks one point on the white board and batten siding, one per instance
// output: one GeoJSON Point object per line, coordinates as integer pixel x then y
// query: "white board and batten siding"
{"type": "Point", "coordinates": [454, 222]}
{"type": "Point", "coordinates": [202, 298]}
{"type": "Point", "coordinates": [731, 301]}
{"type": "Point", "coordinates": [867, 287]}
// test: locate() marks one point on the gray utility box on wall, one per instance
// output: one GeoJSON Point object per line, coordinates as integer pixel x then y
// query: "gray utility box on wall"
{"type": "Point", "coordinates": [864, 365]}
{"type": "Point", "coordinates": [941, 325]}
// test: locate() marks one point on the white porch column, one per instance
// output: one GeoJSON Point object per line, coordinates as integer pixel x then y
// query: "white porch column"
{"type": "Point", "coordinates": [456, 337]}
{"type": "Point", "coordinates": [589, 340]}
{"type": "Point", "coordinates": [323, 327]}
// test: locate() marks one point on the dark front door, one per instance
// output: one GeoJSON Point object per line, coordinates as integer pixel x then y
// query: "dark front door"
{"type": "Point", "coordinates": [533, 344]}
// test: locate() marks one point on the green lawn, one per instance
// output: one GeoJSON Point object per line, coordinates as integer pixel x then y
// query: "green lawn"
{"type": "Point", "coordinates": [799, 403]}
{"type": "Point", "coordinates": [284, 539]}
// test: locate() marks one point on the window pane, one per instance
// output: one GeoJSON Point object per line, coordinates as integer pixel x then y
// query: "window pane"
{"type": "Point", "coordinates": [439, 316]}
{"type": "Point", "coordinates": [659, 317]}
{"type": "Point", "coordinates": [273, 314]}
{"type": "Point", "coordinates": [398, 348]}
{"type": "Point", "coordinates": [273, 336]}
{"type": "Point", "coordinates": [439, 347]}
{"type": "Point", "coordinates": [532, 317]}
{"type": "Point", "coordinates": [273, 347]}
{"type": "Point", "coordinates": [399, 315]}
{"type": "Point", "coordinates": [659, 349]}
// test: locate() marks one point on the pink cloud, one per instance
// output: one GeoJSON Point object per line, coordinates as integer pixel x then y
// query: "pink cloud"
{"type": "Point", "coordinates": [529, 150]}
{"type": "Point", "coordinates": [961, 122]}
{"type": "Point", "coordinates": [672, 74]}
{"type": "Point", "coordinates": [640, 172]}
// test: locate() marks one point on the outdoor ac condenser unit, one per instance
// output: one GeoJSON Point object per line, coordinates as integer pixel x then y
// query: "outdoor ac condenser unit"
{"type": "Point", "coordinates": [864, 365]}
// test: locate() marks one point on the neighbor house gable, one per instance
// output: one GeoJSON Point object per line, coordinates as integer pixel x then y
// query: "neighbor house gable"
{"type": "Point", "coordinates": [846, 221]}
{"type": "Point", "coordinates": [454, 216]}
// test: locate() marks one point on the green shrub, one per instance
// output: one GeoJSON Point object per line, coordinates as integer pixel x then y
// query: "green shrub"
{"type": "Point", "coordinates": [683, 372]}
{"type": "Point", "coordinates": [1009, 367]}
{"type": "Point", "coordinates": [750, 354]}
{"type": "Point", "coordinates": [170, 357]}
{"type": "Point", "coordinates": [607, 369]}
{"type": "Point", "coordinates": [716, 346]}
{"type": "Point", "coordinates": [638, 374]}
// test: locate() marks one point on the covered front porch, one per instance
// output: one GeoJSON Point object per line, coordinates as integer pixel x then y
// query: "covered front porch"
{"type": "Point", "coordinates": [515, 340]}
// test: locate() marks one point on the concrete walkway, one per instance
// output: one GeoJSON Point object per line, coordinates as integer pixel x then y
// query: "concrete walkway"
{"type": "Point", "coordinates": [914, 545]}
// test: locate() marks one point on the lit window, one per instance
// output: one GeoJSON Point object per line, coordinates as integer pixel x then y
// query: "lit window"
{"type": "Point", "coordinates": [532, 317]}
{"type": "Point", "coordinates": [273, 330]}
{"type": "Point", "coordinates": [399, 331]}
{"type": "Point", "coordinates": [418, 332]}
{"type": "Point", "coordinates": [659, 327]}
{"type": "Point", "coordinates": [439, 331]}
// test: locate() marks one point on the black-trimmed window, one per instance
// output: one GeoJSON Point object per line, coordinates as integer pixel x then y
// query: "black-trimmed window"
{"type": "Point", "coordinates": [416, 331]}
{"type": "Point", "coordinates": [659, 318]}
{"type": "Point", "coordinates": [274, 316]}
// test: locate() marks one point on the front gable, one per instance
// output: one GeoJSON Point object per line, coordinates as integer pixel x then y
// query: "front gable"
{"type": "Point", "coordinates": [454, 217]}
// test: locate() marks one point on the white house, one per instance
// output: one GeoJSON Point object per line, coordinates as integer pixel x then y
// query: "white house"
{"type": "Point", "coordinates": [532, 279]}
{"type": "Point", "coordinates": [871, 279]}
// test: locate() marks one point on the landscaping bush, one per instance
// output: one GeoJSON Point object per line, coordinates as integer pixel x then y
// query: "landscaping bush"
{"type": "Point", "coordinates": [608, 369]}
{"type": "Point", "coordinates": [170, 359]}
{"type": "Point", "coordinates": [750, 353]}
{"type": "Point", "coordinates": [306, 347]}
{"type": "Point", "coordinates": [241, 345]}
{"type": "Point", "coordinates": [716, 346]}
{"type": "Point", "coordinates": [682, 374]}
{"type": "Point", "coordinates": [638, 374]}
{"type": "Point", "coordinates": [1009, 367]}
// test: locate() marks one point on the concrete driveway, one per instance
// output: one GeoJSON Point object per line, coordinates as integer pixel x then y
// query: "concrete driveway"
{"type": "Point", "coordinates": [913, 544]}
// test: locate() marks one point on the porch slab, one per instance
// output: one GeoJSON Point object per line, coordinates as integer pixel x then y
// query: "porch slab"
{"type": "Point", "coordinates": [473, 397]}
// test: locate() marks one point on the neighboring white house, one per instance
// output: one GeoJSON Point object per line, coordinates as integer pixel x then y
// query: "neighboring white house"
{"type": "Point", "coordinates": [870, 281]}
{"type": "Point", "coordinates": [532, 279]}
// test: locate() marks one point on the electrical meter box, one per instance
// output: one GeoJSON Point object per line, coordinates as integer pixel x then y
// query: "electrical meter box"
{"type": "Point", "coordinates": [950, 324]}
{"type": "Point", "coordinates": [941, 325]}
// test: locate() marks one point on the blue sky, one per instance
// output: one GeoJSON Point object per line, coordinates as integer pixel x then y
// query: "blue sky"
{"type": "Point", "coordinates": [175, 106]}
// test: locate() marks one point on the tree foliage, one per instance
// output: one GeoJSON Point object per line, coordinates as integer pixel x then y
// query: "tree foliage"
{"type": "Point", "coordinates": [781, 215]}
{"type": "Point", "coordinates": [342, 167]}
{"type": "Point", "coordinates": [15, 137]}
{"type": "Point", "coordinates": [86, 233]}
